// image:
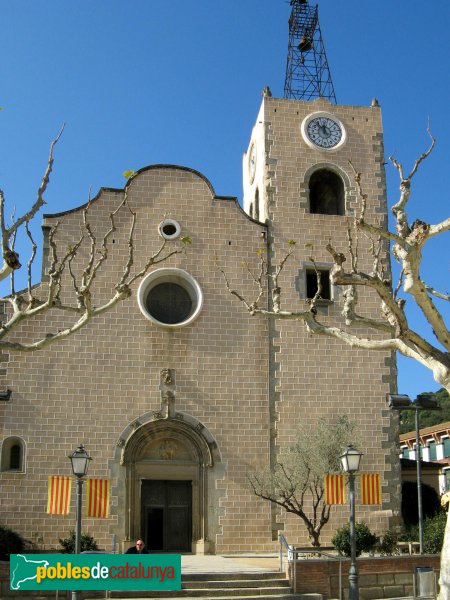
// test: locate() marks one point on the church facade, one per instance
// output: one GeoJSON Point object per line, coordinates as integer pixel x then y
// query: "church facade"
{"type": "Point", "coordinates": [178, 393]}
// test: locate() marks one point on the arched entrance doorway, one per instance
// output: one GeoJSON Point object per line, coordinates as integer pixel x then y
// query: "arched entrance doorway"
{"type": "Point", "coordinates": [165, 467]}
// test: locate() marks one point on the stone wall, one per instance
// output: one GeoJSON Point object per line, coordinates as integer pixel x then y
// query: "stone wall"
{"type": "Point", "coordinates": [379, 577]}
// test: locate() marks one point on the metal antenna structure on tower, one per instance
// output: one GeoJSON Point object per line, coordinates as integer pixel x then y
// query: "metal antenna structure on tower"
{"type": "Point", "coordinates": [307, 73]}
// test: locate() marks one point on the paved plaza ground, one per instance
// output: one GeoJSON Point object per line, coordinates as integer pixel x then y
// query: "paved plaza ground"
{"type": "Point", "coordinates": [242, 563]}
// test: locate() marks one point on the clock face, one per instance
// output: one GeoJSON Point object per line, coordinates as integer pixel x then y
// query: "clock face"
{"type": "Point", "coordinates": [322, 130]}
{"type": "Point", "coordinates": [252, 162]}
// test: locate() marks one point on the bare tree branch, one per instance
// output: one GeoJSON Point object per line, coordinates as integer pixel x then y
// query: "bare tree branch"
{"type": "Point", "coordinates": [34, 302]}
{"type": "Point", "coordinates": [434, 292]}
{"type": "Point", "coordinates": [318, 295]}
{"type": "Point", "coordinates": [408, 242]}
{"type": "Point", "coordinates": [250, 306]}
{"type": "Point", "coordinates": [10, 258]}
{"type": "Point", "coordinates": [276, 291]}
{"type": "Point", "coordinates": [425, 154]}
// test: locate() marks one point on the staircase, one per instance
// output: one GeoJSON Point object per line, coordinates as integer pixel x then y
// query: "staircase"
{"type": "Point", "coordinates": [223, 586]}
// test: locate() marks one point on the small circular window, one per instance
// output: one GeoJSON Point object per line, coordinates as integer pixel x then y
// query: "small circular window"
{"type": "Point", "coordinates": [169, 229]}
{"type": "Point", "coordinates": [170, 298]}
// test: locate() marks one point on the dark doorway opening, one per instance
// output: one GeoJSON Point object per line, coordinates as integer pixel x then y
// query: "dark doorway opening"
{"type": "Point", "coordinates": [154, 530]}
{"type": "Point", "coordinates": [166, 515]}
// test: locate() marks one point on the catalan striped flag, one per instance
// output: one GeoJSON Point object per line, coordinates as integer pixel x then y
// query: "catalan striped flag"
{"type": "Point", "coordinates": [334, 488]}
{"type": "Point", "coordinates": [97, 500]}
{"type": "Point", "coordinates": [370, 488]}
{"type": "Point", "coordinates": [58, 498]}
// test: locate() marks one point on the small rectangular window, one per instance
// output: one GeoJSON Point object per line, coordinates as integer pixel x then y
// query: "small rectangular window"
{"type": "Point", "coordinates": [446, 442]}
{"type": "Point", "coordinates": [405, 452]}
{"type": "Point", "coordinates": [311, 283]}
{"type": "Point", "coordinates": [432, 447]}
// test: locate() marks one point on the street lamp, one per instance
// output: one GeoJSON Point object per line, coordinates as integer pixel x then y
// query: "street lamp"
{"type": "Point", "coordinates": [80, 464]}
{"type": "Point", "coordinates": [350, 460]}
{"type": "Point", "coordinates": [423, 402]}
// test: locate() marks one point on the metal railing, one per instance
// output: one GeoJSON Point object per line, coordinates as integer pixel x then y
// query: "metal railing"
{"type": "Point", "coordinates": [293, 553]}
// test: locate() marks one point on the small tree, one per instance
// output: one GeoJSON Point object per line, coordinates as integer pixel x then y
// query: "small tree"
{"type": "Point", "coordinates": [296, 482]}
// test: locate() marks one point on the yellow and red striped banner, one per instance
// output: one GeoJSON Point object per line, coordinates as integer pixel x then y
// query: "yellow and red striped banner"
{"type": "Point", "coordinates": [97, 501]}
{"type": "Point", "coordinates": [58, 498]}
{"type": "Point", "coordinates": [334, 488]}
{"type": "Point", "coordinates": [370, 488]}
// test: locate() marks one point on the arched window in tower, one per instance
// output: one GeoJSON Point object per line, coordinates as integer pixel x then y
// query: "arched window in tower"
{"type": "Point", "coordinates": [250, 210]}
{"type": "Point", "coordinates": [257, 204]}
{"type": "Point", "coordinates": [12, 455]}
{"type": "Point", "coordinates": [326, 193]}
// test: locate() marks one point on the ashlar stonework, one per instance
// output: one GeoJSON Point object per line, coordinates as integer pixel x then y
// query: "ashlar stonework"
{"type": "Point", "coordinates": [178, 397]}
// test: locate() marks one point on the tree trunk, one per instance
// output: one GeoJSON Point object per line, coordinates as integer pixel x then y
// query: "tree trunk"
{"type": "Point", "coordinates": [444, 579]}
{"type": "Point", "coordinates": [314, 537]}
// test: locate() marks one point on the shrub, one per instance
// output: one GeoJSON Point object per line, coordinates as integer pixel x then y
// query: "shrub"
{"type": "Point", "coordinates": [10, 542]}
{"type": "Point", "coordinates": [409, 533]}
{"type": "Point", "coordinates": [387, 545]}
{"type": "Point", "coordinates": [87, 543]}
{"type": "Point", "coordinates": [433, 533]}
{"type": "Point", "coordinates": [365, 539]}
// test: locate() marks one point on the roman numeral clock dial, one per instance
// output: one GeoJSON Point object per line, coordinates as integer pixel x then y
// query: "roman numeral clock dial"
{"type": "Point", "coordinates": [323, 131]}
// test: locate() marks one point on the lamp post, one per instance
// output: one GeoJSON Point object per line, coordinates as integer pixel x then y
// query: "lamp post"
{"type": "Point", "coordinates": [80, 464]}
{"type": "Point", "coordinates": [423, 402]}
{"type": "Point", "coordinates": [350, 460]}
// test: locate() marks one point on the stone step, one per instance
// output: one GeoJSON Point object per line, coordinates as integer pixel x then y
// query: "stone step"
{"type": "Point", "coordinates": [266, 585]}
{"type": "Point", "coordinates": [208, 597]}
{"type": "Point", "coordinates": [257, 576]}
{"type": "Point", "coordinates": [241, 583]}
{"type": "Point", "coordinates": [210, 592]}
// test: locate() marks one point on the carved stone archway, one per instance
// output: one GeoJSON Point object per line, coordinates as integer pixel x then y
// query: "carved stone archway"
{"type": "Point", "coordinates": [156, 447]}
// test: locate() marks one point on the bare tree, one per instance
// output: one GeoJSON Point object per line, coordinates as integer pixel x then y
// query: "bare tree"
{"type": "Point", "coordinates": [407, 245]}
{"type": "Point", "coordinates": [296, 482]}
{"type": "Point", "coordinates": [392, 329]}
{"type": "Point", "coordinates": [69, 263]}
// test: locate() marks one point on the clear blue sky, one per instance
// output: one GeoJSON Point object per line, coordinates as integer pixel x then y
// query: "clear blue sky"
{"type": "Point", "coordinates": [140, 82]}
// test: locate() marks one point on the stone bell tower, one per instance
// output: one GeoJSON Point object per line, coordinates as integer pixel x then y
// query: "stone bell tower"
{"type": "Point", "coordinates": [297, 179]}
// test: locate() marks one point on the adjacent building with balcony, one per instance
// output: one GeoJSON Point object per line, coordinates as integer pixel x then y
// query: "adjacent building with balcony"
{"type": "Point", "coordinates": [434, 448]}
